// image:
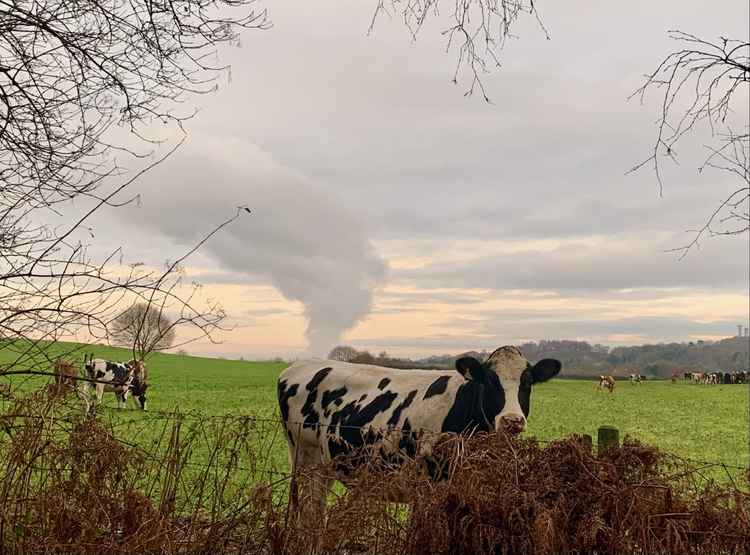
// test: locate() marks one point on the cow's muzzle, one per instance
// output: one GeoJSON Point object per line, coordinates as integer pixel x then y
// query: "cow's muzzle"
{"type": "Point", "coordinates": [513, 424]}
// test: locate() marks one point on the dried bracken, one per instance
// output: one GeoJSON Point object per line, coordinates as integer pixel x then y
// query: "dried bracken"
{"type": "Point", "coordinates": [72, 484]}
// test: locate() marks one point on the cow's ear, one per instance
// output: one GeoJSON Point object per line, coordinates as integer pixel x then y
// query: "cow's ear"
{"type": "Point", "coordinates": [546, 369]}
{"type": "Point", "coordinates": [469, 367]}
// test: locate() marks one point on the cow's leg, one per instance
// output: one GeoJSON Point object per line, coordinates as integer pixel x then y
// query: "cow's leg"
{"type": "Point", "coordinates": [316, 485]}
{"type": "Point", "coordinates": [83, 390]}
{"type": "Point", "coordinates": [125, 395]}
{"type": "Point", "coordinates": [309, 489]}
{"type": "Point", "coordinates": [99, 393]}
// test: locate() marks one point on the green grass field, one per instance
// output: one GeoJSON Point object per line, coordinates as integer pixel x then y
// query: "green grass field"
{"type": "Point", "coordinates": [694, 421]}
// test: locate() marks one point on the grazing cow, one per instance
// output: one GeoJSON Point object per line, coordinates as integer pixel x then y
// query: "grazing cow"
{"type": "Point", "coordinates": [606, 382]}
{"type": "Point", "coordinates": [122, 378]}
{"type": "Point", "coordinates": [332, 409]}
{"type": "Point", "coordinates": [636, 378]}
{"type": "Point", "coordinates": [688, 376]}
{"type": "Point", "coordinates": [65, 377]}
{"type": "Point", "coordinates": [698, 377]}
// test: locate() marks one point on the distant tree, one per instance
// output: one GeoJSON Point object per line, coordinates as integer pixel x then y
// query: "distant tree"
{"type": "Point", "coordinates": [343, 353]}
{"type": "Point", "coordinates": [363, 357]}
{"type": "Point", "coordinates": [145, 329]}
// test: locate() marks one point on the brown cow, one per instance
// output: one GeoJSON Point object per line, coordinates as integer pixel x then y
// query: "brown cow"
{"type": "Point", "coordinates": [606, 382]}
{"type": "Point", "coordinates": [65, 377]}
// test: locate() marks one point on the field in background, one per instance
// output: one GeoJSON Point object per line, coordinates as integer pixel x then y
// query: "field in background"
{"type": "Point", "coordinates": [702, 422]}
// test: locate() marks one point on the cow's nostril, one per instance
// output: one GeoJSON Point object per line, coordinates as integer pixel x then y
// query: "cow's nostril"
{"type": "Point", "coordinates": [513, 425]}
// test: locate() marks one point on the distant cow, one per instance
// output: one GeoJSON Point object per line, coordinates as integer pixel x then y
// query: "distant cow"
{"type": "Point", "coordinates": [123, 379]}
{"type": "Point", "coordinates": [636, 378]}
{"type": "Point", "coordinates": [606, 382]}
{"type": "Point", "coordinates": [65, 377]}
{"type": "Point", "coordinates": [331, 409]}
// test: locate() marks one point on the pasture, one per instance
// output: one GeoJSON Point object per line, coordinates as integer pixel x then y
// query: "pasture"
{"type": "Point", "coordinates": [206, 470]}
{"type": "Point", "coordinates": [700, 422]}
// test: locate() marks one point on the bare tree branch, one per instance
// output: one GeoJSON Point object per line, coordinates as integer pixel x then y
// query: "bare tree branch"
{"type": "Point", "coordinates": [73, 72]}
{"type": "Point", "coordinates": [705, 83]}
{"type": "Point", "coordinates": [477, 29]}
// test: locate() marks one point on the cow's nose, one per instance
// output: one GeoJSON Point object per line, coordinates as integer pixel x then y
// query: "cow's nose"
{"type": "Point", "coordinates": [513, 424]}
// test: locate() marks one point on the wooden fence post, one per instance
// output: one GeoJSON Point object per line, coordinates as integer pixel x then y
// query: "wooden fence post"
{"type": "Point", "coordinates": [607, 438]}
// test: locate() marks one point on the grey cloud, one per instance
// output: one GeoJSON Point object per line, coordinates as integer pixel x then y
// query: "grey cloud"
{"type": "Point", "coordinates": [382, 127]}
{"type": "Point", "coordinates": [310, 247]}
{"type": "Point", "coordinates": [617, 265]}
{"type": "Point", "coordinates": [425, 297]}
{"type": "Point", "coordinates": [261, 312]}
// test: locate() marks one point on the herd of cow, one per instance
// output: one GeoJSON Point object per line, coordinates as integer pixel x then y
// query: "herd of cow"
{"type": "Point", "coordinates": [717, 377]}
{"type": "Point", "coordinates": [124, 379]}
{"type": "Point", "coordinates": [607, 383]}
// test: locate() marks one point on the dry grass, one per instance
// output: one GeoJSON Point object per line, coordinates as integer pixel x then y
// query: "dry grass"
{"type": "Point", "coordinates": [67, 484]}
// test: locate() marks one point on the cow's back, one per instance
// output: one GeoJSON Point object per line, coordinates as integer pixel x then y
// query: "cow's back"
{"type": "Point", "coordinates": [331, 406]}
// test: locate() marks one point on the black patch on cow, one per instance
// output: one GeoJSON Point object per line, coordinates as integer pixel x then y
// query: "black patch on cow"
{"type": "Point", "coordinates": [383, 383]}
{"type": "Point", "coordinates": [332, 397]}
{"type": "Point", "coordinates": [524, 390]}
{"type": "Point", "coordinates": [100, 374]}
{"type": "Point", "coordinates": [311, 416]}
{"type": "Point", "coordinates": [119, 370]}
{"type": "Point", "coordinates": [319, 376]}
{"type": "Point", "coordinates": [285, 393]}
{"type": "Point", "coordinates": [437, 387]}
{"type": "Point", "coordinates": [363, 397]}
{"type": "Point", "coordinates": [393, 420]}
{"type": "Point", "coordinates": [477, 403]}
{"type": "Point", "coordinates": [345, 433]}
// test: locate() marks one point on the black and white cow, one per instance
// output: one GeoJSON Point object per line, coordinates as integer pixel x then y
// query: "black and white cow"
{"type": "Point", "coordinates": [332, 409]}
{"type": "Point", "coordinates": [123, 378]}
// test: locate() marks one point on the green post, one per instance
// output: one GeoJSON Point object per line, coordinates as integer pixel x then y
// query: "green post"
{"type": "Point", "coordinates": [607, 438]}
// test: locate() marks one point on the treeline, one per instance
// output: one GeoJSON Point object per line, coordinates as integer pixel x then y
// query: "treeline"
{"type": "Point", "coordinates": [580, 358]}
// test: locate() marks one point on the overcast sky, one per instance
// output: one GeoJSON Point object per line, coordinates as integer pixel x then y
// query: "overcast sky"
{"type": "Point", "coordinates": [392, 212]}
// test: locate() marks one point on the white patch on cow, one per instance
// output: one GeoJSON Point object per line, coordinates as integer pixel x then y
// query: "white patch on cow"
{"type": "Point", "coordinates": [508, 363]}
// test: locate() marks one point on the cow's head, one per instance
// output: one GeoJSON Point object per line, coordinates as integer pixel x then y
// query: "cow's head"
{"type": "Point", "coordinates": [506, 378]}
{"type": "Point", "coordinates": [139, 383]}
